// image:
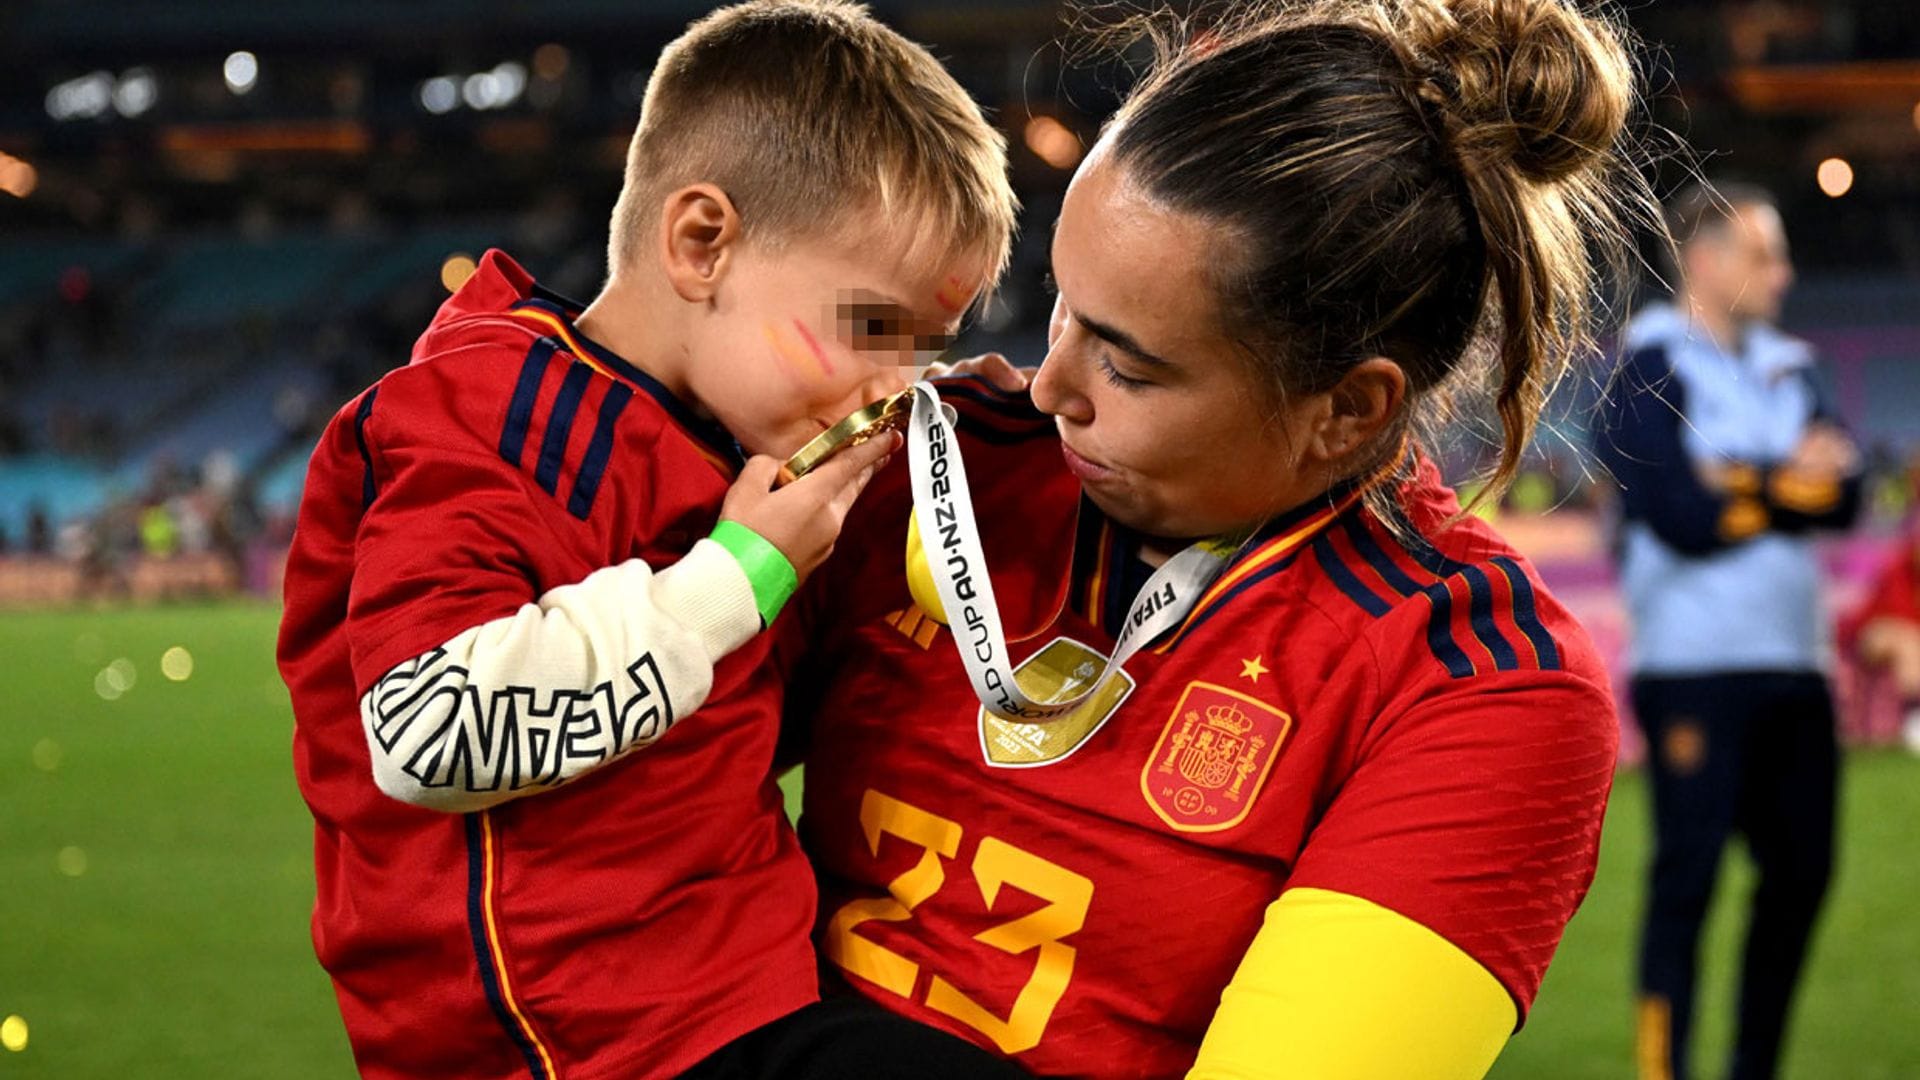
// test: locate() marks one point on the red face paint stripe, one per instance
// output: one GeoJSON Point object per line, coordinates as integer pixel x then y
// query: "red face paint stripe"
{"type": "Point", "coordinates": [819, 354]}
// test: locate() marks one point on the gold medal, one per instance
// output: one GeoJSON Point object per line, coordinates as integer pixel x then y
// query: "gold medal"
{"type": "Point", "coordinates": [887, 414]}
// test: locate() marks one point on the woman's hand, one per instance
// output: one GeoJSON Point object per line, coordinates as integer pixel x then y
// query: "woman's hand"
{"type": "Point", "coordinates": [993, 367]}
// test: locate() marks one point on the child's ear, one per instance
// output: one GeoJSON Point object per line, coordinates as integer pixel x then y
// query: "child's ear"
{"type": "Point", "coordinates": [699, 229]}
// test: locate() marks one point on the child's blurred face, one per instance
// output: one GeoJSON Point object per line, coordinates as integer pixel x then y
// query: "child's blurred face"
{"type": "Point", "coordinates": [809, 330]}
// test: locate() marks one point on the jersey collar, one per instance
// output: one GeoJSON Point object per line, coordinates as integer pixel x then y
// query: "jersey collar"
{"type": "Point", "coordinates": [1274, 546]}
{"type": "Point", "coordinates": [556, 313]}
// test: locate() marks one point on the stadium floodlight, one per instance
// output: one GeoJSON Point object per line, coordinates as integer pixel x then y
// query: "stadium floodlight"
{"type": "Point", "coordinates": [1835, 177]}
{"type": "Point", "coordinates": [83, 98]}
{"type": "Point", "coordinates": [478, 90]}
{"type": "Point", "coordinates": [455, 271]}
{"type": "Point", "coordinates": [1053, 142]}
{"type": "Point", "coordinates": [495, 89]}
{"type": "Point", "coordinates": [440, 96]}
{"type": "Point", "coordinates": [242, 70]}
{"type": "Point", "coordinates": [17, 178]}
{"type": "Point", "coordinates": [136, 92]}
{"type": "Point", "coordinates": [509, 82]}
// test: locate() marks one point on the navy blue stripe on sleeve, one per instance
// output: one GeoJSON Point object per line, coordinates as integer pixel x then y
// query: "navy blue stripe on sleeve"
{"type": "Point", "coordinates": [1376, 557]}
{"type": "Point", "coordinates": [1422, 552]}
{"type": "Point", "coordinates": [360, 418]}
{"type": "Point", "coordinates": [1349, 583]}
{"type": "Point", "coordinates": [1480, 606]}
{"type": "Point", "coordinates": [1440, 632]}
{"type": "Point", "coordinates": [1526, 614]}
{"type": "Point", "coordinates": [1639, 441]}
{"type": "Point", "coordinates": [1480, 616]}
{"type": "Point", "coordinates": [566, 405]}
{"type": "Point", "coordinates": [526, 391]}
{"type": "Point", "coordinates": [586, 485]}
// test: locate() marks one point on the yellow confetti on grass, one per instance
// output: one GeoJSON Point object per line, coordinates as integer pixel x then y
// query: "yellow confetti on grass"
{"type": "Point", "coordinates": [176, 664]}
{"type": "Point", "coordinates": [71, 861]}
{"type": "Point", "coordinates": [47, 755]}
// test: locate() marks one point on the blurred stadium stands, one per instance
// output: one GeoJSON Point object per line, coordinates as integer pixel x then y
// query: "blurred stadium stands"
{"type": "Point", "coordinates": [223, 218]}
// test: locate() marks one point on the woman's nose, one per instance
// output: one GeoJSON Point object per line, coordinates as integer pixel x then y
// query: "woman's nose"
{"type": "Point", "coordinates": [1054, 391]}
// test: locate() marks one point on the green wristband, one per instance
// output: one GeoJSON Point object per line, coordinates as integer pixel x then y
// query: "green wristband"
{"type": "Point", "coordinates": [767, 570]}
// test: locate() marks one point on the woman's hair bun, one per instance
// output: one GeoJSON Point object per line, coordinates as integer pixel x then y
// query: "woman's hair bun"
{"type": "Point", "coordinates": [1537, 82]}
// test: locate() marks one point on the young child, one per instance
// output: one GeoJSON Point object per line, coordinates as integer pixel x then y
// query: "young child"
{"type": "Point", "coordinates": [508, 572]}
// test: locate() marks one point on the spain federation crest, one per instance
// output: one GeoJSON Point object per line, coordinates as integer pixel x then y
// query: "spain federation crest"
{"type": "Point", "coordinates": [1212, 758]}
{"type": "Point", "coordinates": [1064, 666]}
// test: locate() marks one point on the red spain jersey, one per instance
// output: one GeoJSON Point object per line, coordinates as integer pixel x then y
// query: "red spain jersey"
{"type": "Point", "coordinates": [625, 924]}
{"type": "Point", "coordinates": [1895, 594]}
{"type": "Point", "coordinates": [1406, 717]}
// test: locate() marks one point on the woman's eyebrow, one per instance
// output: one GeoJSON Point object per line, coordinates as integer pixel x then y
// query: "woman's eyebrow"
{"type": "Point", "coordinates": [1112, 335]}
{"type": "Point", "coordinates": [1120, 338]}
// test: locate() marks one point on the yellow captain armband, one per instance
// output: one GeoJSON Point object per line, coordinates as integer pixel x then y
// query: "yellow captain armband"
{"type": "Point", "coordinates": [920, 576]}
{"type": "Point", "coordinates": [1339, 988]}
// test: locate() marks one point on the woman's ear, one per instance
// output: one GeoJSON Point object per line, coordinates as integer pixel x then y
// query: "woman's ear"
{"type": "Point", "coordinates": [699, 230]}
{"type": "Point", "coordinates": [1364, 403]}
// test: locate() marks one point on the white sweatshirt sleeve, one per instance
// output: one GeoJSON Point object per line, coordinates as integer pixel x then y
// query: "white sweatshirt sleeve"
{"type": "Point", "coordinates": [566, 684]}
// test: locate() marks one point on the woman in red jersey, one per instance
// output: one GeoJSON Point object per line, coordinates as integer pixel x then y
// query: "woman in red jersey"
{"type": "Point", "coordinates": [1332, 814]}
{"type": "Point", "coordinates": [1883, 633]}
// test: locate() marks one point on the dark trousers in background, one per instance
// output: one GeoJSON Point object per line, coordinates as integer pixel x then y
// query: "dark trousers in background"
{"type": "Point", "coordinates": [1752, 753]}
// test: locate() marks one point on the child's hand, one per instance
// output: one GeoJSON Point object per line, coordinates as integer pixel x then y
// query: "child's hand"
{"type": "Point", "coordinates": [803, 518]}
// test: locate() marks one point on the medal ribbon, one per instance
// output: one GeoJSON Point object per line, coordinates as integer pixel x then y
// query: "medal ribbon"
{"type": "Point", "coordinates": [957, 562]}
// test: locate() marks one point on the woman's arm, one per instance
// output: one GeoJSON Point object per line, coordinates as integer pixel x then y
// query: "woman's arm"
{"type": "Point", "coordinates": [1420, 916]}
{"type": "Point", "coordinates": [1339, 988]}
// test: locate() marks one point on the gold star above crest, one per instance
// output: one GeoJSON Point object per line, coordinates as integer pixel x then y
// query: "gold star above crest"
{"type": "Point", "coordinates": [1252, 669]}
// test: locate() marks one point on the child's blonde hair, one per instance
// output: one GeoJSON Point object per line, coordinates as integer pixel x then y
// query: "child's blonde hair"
{"type": "Point", "coordinates": [808, 113]}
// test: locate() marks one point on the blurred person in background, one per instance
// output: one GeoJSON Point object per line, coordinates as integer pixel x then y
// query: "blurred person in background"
{"type": "Point", "coordinates": [39, 530]}
{"type": "Point", "coordinates": [1883, 634]}
{"type": "Point", "coordinates": [1728, 460]}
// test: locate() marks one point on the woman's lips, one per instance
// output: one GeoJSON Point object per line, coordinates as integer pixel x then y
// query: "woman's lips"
{"type": "Point", "coordinates": [1087, 471]}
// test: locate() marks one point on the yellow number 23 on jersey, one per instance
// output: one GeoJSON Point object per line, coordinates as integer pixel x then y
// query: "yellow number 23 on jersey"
{"type": "Point", "coordinates": [995, 863]}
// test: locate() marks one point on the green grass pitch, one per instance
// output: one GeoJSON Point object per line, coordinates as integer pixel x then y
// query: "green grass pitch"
{"type": "Point", "coordinates": [156, 880]}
